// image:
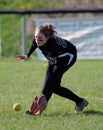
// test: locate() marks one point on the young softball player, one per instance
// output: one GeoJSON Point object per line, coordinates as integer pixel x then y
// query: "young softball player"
{"type": "Point", "coordinates": [61, 55]}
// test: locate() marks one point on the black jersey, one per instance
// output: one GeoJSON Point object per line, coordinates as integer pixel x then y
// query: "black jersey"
{"type": "Point", "coordinates": [55, 48]}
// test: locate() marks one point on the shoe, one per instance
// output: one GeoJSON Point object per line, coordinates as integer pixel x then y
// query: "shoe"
{"type": "Point", "coordinates": [27, 112]}
{"type": "Point", "coordinates": [80, 106]}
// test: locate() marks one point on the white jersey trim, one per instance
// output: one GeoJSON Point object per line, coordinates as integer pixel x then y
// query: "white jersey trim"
{"type": "Point", "coordinates": [65, 54]}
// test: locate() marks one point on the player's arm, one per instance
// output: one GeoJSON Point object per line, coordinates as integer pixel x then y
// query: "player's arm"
{"type": "Point", "coordinates": [30, 51]}
{"type": "Point", "coordinates": [32, 48]}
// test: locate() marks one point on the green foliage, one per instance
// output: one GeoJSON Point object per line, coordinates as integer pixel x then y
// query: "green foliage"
{"type": "Point", "coordinates": [33, 4]}
{"type": "Point", "coordinates": [21, 81]}
{"type": "Point", "coordinates": [10, 34]}
{"type": "Point", "coordinates": [10, 25]}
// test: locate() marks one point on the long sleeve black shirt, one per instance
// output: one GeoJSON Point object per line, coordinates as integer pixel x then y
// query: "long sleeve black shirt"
{"type": "Point", "coordinates": [54, 48]}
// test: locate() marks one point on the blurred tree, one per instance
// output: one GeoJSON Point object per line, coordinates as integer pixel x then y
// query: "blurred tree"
{"type": "Point", "coordinates": [24, 4]}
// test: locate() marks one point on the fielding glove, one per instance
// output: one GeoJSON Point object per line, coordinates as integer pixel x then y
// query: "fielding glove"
{"type": "Point", "coordinates": [38, 105]}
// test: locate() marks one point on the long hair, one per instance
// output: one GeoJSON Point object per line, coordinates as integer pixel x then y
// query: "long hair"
{"type": "Point", "coordinates": [47, 29]}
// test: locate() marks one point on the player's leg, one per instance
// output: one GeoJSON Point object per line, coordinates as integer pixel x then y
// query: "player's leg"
{"type": "Point", "coordinates": [58, 89]}
{"type": "Point", "coordinates": [54, 74]}
{"type": "Point", "coordinates": [64, 92]}
{"type": "Point", "coordinates": [48, 83]}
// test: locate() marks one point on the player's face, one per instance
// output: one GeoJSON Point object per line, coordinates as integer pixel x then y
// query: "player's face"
{"type": "Point", "coordinates": [40, 38]}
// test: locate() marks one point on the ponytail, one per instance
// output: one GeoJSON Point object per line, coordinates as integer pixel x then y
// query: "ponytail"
{"type": "Point", "coordinates": [47, 29]}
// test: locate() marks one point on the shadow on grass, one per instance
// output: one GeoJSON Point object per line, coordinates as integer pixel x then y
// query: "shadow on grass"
{"type": "Point", "coordinates": [89, 112]}
{"type": "Point", "coordinates": [57, 114]}
{"type": "Point", "coordinates": [93, 112]}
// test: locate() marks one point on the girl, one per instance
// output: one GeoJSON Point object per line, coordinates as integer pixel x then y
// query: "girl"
{"type": "Point", "coordinates": [61, 55]}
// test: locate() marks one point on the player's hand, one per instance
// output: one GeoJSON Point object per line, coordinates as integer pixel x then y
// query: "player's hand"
{"type": "Point", "coordinates": [21, 57]}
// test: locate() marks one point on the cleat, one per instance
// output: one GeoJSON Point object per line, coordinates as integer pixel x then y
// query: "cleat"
{"type": "Point", "coordinates": [80, 106]}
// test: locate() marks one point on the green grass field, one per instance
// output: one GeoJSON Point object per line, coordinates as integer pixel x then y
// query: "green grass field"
{"type": "Point", "coordinates": [21, 81]}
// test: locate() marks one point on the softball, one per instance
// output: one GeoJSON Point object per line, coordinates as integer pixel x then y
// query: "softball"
{"type": "Point", "coordinates": [17, 107]}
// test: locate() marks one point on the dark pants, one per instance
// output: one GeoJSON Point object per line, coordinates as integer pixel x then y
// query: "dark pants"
{"type": "Point", "coordinates": [53, 79]}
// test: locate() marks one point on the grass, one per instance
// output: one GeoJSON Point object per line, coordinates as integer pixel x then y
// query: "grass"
{"type": "Point", "coordinates": [21, 81]}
